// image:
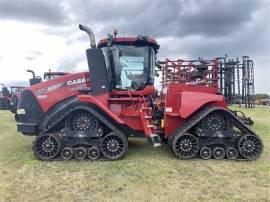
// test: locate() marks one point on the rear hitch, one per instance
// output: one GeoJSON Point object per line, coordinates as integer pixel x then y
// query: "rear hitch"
{"type": "Point", "coordinates": [240, 115]}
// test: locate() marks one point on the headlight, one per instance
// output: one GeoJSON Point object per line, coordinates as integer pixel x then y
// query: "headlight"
{"type": "Point", "coordinates": [20, 111]}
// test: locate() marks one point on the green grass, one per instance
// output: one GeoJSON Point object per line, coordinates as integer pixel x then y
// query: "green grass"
{"type": "Point", "coordinates": [145, 174]}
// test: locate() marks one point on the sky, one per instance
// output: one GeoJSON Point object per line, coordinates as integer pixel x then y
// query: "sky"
{"type": "Point", "coordinates": [42, 35]}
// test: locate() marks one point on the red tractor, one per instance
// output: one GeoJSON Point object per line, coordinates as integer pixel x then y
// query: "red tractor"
{"type": "Point", "coordinates": [34, 80]}
{"type": "Point", "coordinates": [92, 115]}
{"type": "Point", "coordinates": [6, 94]}
{"type": "Point", "coordinates": [47, 76]}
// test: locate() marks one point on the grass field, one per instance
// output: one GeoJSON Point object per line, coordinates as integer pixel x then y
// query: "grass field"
{"type": "Point", "coordinates": [145, 174]}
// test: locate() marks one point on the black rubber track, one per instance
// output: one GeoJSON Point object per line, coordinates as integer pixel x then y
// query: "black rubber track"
{"type": "Point", "coordinates": [202, 113]}
{"type": "Point", "coordinates": [74, 106]}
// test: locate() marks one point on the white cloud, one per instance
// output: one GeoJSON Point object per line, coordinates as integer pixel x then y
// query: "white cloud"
{"type": "Point", "coordinates": [45, 35]}
{"type": "Point", "coordinates": [24, 46]}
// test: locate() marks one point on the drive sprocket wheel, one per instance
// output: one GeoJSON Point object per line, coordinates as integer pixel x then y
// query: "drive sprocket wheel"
{"type": "Point", "coordinates": [215, 121]}
{"type": "Point", "coordinates": [206, 153]}
{"type": "Point", "coordinates": [80, 153]}
{"type": "Point", "coordinates": [67, 153]}
{"type": "Point", "coordinates": [219, 153]}
{"type": "Point", "coordinates": [185, 146]}
{"type": "Point", "coordinates": [114, 146]}
{"type": "Point", "coordinates": [250, 147]}
{"type": "Point", "coordinates": [231, 153]}
{"type": "Point", "coordinates": [46, 146]}
{"type": "Point", "coordinates": [83, 121]}
{"type": "Point", "coordinates": [93, 153]}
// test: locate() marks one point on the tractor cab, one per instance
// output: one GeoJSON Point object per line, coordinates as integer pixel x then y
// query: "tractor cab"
{"type": "Point", "coordinates": [122, 71]}
{"type": "Point", "coordinates": [47, 76]}
{"type": "Point", "coordinates": [121, 63]}
{"type": "Point", "coordinates": [16, 89]}
{"type": "Point", "coordinates": [130, 62]}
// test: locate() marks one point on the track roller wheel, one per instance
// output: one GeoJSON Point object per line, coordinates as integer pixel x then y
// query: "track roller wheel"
{"type": "Point", "coordinates": [231, 153]}
{"type": "Point", "coordinates": [93, 153]}
{"type": "Point", "coordinates": [114, 146]}
{"type": "Point", "coordinates": [250, 147]}
{"type": "Point", "coordinates": [206, 153]}
{"type": "Point", "coordinates": [67, 153]}
{"type": "Point", "coordinates": [80, 153]}
{"type": "Point", "coordinates": [185, 146]}
{"type": "Point", "coordinates": [219, 153]}
{"type": "Point", "coordinates": [46, 146]}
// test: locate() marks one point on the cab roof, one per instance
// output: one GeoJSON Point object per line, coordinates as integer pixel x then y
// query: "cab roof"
{"type": "Point", "coordinates": [137, 41]}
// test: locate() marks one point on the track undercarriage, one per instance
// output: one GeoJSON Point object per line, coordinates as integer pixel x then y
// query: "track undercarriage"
{"type": "Point", "coordinates": [84, 137]}
{"type": "Point", "coordinates": [215, 133]}
{"type": "Point", "coordinates": [209, 133]}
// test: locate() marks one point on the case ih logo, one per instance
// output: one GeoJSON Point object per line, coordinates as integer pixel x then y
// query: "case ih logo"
{"type": "Point", "coordinates": [77, 81]}
{"type": "Point", "coordinates": [60, 85]}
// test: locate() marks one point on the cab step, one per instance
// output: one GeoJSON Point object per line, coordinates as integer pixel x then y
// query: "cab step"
{"type": "Point", "coordinates": [155, 140]}
{"type": "Point", "coordinates": [146, 108]}
{"type": "Point", "coordinates": [150, 126]}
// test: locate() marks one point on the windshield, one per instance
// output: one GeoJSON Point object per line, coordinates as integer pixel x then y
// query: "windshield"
{"type": "Point", "coordinates": [133, 66]}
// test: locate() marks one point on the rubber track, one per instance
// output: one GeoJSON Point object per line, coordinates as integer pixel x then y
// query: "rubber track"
{"type": "Point", "coordinates": [74, 105]}
{"type": "Point", "coordinates": [67, 107]}
{"type": "Point", "coordinates": [199, 115]}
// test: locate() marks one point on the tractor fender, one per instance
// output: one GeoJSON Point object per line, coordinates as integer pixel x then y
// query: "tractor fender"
{"type": "Point", "coordinates": [65, 108]}
{"type": "Point", "coordinates": [100, 101]}
{"type": "Point", "coordinates": [190, 102]}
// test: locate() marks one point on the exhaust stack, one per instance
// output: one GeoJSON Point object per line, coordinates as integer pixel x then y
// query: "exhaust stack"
{"type": "Point", "coordinates": [90, 34]}
{"type": "Point", "coordinates": [33, 73]}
